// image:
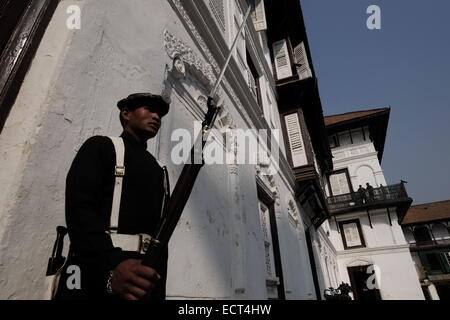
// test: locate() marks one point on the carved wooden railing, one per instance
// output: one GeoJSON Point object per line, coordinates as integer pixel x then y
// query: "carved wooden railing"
{"type": "Point", "coordinates": [381, 195]}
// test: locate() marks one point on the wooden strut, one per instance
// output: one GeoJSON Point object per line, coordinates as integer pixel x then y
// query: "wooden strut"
{"type": "Point", "coordinates": [185, 183]}
{"type": "Point", "coordinates": [370, 220]}
{"type": "Point", "coordinates": [389, 216]}
{"type": "Point", "coordinates": [337, 225]}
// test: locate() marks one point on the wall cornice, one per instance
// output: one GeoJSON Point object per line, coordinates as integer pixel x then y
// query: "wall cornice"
{"type": "Point", "coordinates": [373, 251]}
{"type": "Point", "coordinates": [327, 240]}
{"type": "Point", "coordinates": [358, 157]}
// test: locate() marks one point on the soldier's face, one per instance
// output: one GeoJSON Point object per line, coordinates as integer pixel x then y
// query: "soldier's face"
{"type": "Point", "coordinates": [144, 121]}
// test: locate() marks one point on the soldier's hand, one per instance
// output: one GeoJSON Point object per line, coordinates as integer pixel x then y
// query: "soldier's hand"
{"type": "Point", "coordinates": [211, 103]}
{"type": "Point", "coordinates": [131, 280]}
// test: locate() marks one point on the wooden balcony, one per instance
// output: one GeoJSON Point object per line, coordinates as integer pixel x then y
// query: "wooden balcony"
{"type": "Point", "coordinates": [383, 197]}
{"type": "Point", "coordinates": [310, 189]}
{"type": "Point", "coordinates": [431, 244]}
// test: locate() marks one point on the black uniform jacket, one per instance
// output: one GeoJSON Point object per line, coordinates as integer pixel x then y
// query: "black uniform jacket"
{"type": "Point", "coordinates": [89, 190]}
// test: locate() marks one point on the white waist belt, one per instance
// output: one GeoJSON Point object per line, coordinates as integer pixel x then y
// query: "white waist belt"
{"type": "Point", "coordinates": [131, 242]}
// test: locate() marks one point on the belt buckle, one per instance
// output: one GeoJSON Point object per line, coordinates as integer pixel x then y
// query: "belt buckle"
{"type": "Point", "coordinates": [144, 242]}
{"type": "Point", "coordinates": [119, 171]}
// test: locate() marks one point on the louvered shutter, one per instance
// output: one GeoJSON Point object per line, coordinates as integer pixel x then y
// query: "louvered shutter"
{"type": "Point", "coordinates": [259, 15]}
{"type": "Point", "coordinates": [282, 60]}
{"type": "Point", "coordinates": [301, 59]}
{"type": "Point", "coordinates": [295, 140]}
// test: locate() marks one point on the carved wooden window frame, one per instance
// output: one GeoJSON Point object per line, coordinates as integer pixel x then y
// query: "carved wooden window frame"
{"type": "Point", "coordinates": [266, 197]}
{"type": "Point", "coordinates": [361, 236]}
{"type": "Point", "coordinates": [19, 51]}
{"type": "Point", "coordinates": [349, 180]}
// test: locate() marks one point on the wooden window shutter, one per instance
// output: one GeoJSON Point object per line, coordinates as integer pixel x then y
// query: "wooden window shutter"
{"type": "Point", "coordinates": [334, 184]}
{"type": "Point", "coordinates": [339, 184]}
{"type": "Point", "coordinates": [259, 15]}
{"type": "Point", "coordinates": [301, 59]}
{"type": "Point", "coordinates": [282, 60]}
{"type": "Point", "coordinates": [447, 257]}
{"type": "Point", "coordinates": [295, 140]}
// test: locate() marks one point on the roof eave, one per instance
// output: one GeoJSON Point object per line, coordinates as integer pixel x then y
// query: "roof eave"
{"type": "Point", "coordinates": [379, 136]}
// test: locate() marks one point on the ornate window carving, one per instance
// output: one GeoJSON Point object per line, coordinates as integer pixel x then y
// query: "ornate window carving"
{"type": "Point", "coordinates": [218, 9]}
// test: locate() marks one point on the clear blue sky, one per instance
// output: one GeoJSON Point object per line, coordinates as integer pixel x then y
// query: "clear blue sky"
{"type": "Point", "coordinates": [405, 65]}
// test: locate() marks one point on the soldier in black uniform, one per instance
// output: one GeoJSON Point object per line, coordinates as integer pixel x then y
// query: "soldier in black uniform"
{"type": "Point", "coordinates": [361, 195]}
{"type": "Point", "coordinates": [370, 192]}
{"type": "Point", "coordinates": [89, 192]}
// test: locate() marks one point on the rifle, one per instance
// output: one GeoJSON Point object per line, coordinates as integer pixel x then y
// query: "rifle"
{"type": "Point", "coordinates": [174, 207]}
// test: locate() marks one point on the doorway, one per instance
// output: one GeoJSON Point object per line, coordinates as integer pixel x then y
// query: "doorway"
{"type": "Point", "coordinates": [358, 279]}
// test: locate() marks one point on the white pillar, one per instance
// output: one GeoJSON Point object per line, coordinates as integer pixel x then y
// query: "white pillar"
{"type": "Point", "coordinates": [239, 271]}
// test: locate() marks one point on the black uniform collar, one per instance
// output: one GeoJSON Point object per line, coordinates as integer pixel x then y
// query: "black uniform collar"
{"type": "Point", "coordinates": [132, 140]}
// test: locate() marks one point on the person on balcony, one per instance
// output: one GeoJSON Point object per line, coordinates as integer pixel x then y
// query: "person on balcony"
{"type": "Point", "coordinates": [361, 195]}
{"type": "Point", "coordinates": [370, 193]}
{"type": "Point", "coordinates": [383, 192]}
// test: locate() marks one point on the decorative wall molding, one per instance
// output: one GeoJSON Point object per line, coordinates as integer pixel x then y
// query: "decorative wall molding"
{"type": "Point", "coordinates": [359, 262]}
{"type": "Point", "coordinates": [212, 61]}
{"type": "Point", "coordinates": [270, 184]}
{"type": "Point", "coordinates": [292, 212]}
{"type": "Point", "coordinates": [326, 241]}
{"type": "Point", "coordinates": [273, 187]}
{"type": "Point", "coordinates": [374, 251]}
{"type": "Point", "coordinates": [233, 169]}
{"type": "Point", "coordinates": [186, 60]}
{"type": "Point", "coordinates": [217, 8]}
{"type": "Point", "coordinates": [365, 157]}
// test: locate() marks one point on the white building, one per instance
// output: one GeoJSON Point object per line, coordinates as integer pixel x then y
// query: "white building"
{"type": "Point", "coordinates": [427, 230]}
{"type": "Point", "coordinates": [369, 250]}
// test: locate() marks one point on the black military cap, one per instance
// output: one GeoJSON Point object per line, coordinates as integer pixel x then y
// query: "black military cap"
{"type": "Point", "coordinates": [137, 100]}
